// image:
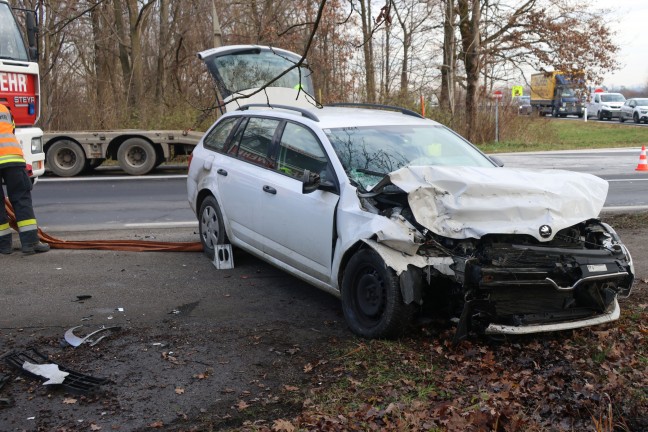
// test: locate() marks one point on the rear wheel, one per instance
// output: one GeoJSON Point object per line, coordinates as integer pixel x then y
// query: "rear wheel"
{"type": "Point", "coordinates": [136, 156]}
{"type": "Point", "coordinates": [65, 158]}
{"type": "Point", "coordinates": [371, 298]}
{"type": "Point", "coordinates": [211, 226]}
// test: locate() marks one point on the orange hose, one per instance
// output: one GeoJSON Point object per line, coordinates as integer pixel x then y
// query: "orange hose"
{"type": "Point", "coordinates": [115, 245]}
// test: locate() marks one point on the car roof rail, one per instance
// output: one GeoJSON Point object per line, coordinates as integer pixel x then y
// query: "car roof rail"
{"type": "Point", "coordinates": [378, 106]}
{"type": "Point", "coordinates": [304, 112]}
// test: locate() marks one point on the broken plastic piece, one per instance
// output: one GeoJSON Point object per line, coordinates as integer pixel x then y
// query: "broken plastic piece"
{"type": "Point", "coordinates": [50, 371]}
{"type": "Point", "coordinates": [75, 382]}
{"type": "Point", "coordinates": [75, 341]}
{"type": "Point", "coordinates": [82, 297]}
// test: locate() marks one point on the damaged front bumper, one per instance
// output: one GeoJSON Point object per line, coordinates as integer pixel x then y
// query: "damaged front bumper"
{"type": "Point", "coordinates": [606, 317]}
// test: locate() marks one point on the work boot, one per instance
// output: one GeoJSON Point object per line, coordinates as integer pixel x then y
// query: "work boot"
{"type": "Point", "coordinates": [31, 249]}
{"type": "Point", "coordinates": [6, 250]}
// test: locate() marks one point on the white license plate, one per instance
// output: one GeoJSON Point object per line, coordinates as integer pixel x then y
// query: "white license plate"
{"type": "Point", "coordinates": [597, 268]}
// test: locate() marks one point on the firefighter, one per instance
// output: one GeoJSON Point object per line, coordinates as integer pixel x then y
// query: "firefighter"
{"type": "Point", "coordinates": [13, 172]}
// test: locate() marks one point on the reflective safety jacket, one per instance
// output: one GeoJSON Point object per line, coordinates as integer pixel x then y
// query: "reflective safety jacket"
{"type": "Point", "coordinates": [10, 151]}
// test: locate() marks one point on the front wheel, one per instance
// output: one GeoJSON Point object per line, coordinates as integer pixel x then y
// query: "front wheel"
{"type": "Point", "coordinates": [136, 156]}
{"type": "Point", "coordinates": [621, 118]}
{"type": "Point", "coordinates": [371, 298]}
{"type": "Point", "coordinates": [635, 118]}
{"type": "Point", "coordinates": [211, 226]}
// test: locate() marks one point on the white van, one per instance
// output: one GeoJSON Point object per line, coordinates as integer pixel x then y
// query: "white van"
{"type": "Point", "coordinates": [605, 105]}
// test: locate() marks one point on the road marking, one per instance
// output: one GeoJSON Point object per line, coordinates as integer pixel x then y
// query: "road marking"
{"type": "Point", "coordinates": [627, 180]}
{"type": "Point", "coordinates": [149, 177]}
{"type": "Point", "coordinates": [626, 208]}
{"type": "Point", "coordinates": [162, 225]}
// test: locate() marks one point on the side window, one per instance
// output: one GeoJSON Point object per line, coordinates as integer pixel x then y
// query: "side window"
{"type": "Point", "coordinates": [217, 137]}
{"type": "Point", "coordinates": [597, 99]}
{"type": "Point", "coordinates": [300, 150]}
{"type": "Point", "coordinates": [256, 142]}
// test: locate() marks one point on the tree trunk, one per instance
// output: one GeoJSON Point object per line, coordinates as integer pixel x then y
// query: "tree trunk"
{"type": "Point", "coordinates": [470, 16]}
{"type": "Point", "coordinates": [447, 96]}
{"type": "Point", "coordinates": [367, 48]}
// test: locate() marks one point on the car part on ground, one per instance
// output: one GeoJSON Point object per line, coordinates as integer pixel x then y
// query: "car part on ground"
{"type": "Point", "coordinates": [74, 382]}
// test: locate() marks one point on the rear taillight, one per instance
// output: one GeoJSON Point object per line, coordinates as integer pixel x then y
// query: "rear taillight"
{"type": "Point", "coordinates": [189, 161]}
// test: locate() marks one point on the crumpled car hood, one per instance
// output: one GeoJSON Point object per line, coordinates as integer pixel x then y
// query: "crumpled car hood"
{"type": "Point", "coordinates": [469, 202]}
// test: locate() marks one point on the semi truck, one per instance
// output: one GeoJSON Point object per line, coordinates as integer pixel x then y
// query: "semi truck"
{"type": "Point", "coordinates": [555, 93]}
{"type": "Point", "coordinates": [138, 152]}
{"type": "Point", "coordinates": [20, 84]}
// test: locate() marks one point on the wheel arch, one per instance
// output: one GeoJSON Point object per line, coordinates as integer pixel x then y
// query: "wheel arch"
{"type": "Point", "coordinates": [58, 138]}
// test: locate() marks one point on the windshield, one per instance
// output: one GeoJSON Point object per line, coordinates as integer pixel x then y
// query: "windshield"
{"type": "Point", "coordinates": [369, 153]}
{"type": "Point", "coordinates": [254, 68]}
{"type": "Point", "coordinates": [567, 92]}
{"type": "Point", "coordinates": [612, 98]}
{"type": "Point", "coordinates": [12, 45]}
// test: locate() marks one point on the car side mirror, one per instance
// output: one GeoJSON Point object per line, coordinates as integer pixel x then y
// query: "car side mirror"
{"type": "Point", "coordinates": [310, 182]}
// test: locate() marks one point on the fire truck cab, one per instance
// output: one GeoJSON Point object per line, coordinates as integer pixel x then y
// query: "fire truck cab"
{"type": "Point", "coordinates": [20, 84]}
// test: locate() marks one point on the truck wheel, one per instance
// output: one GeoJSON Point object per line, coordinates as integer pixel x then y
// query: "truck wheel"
{"type": "Point", "coordinates": [211, 226]}
{"type": "Point", "coordinates": [91, 164]}
{"type": "Point", "coordinates": [371, 298]}
{"type": "Point", "coordinates": [554, 112]}
{"type": "Point", "coordinates": [65, 158]}
{"type": "Point", "coordinates": [136, 156]}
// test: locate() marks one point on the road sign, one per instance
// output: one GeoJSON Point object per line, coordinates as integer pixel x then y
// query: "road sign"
{"type": "Point", "coordinates": [497, 94]}
{"type": "Point", "coordinates": [517, 90]}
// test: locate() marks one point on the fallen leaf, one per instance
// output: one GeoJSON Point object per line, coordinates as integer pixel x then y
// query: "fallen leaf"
{"type": "Point", "coordinates": [179, 390]}
{"type": "Point", "coordinates": [242, 405]}
{"type": "Point", "coordinates": [95, 427]}
{"type": "Point", "coordinates": [69, 401]}
{"type": "Point", "coordinates": [308, 367]}
{"type": "Point", "coordinates": [157, 424]}
{"type": "Point", "coordinates": [281, 425]}
{"type": "Point", "coordinates": [290, 388]}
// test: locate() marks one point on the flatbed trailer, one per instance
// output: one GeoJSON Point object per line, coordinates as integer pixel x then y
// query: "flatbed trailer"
{"type": "Point", "coordinates": [69, 153]}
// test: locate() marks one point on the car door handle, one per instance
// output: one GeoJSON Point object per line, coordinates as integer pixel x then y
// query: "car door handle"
{"type": "Point", "coordinates": [222, 172]}
{"type": "Point", "coordinates": [269, 189]}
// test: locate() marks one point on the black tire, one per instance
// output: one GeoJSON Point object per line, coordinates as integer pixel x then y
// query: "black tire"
{"type": "Point", "coordinates": [371, 298]}
{"type": "Point", "coordinates": [65, 158]}
{"type": "Point", "coordinates": [600, 115]}
{"type": "Point", "coordinates": [91, 164]}
{"type": "Point", "coordinates": [554, 112]}
{"type": "Point", "coordinates": [211, 226]}
{"type": "Point", "coordinates": [621, 119]}
{"type": "Point", "coordinates": [136, 156]}
{"type": "Point", "coordinates": [635, 118]}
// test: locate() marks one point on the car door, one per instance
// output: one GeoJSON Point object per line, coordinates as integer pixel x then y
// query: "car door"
{"type": "Point", "coordinates": [299, 228]}
{"type": "Point", "coordinates": [240, 178]}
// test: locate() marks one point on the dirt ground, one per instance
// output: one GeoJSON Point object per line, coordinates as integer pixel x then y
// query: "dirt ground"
{"type": "Point", "coordinates": [190, 368]}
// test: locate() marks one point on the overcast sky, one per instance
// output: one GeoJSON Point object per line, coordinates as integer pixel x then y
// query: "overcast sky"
{"type": "Point", "coordinates": [629, 18]}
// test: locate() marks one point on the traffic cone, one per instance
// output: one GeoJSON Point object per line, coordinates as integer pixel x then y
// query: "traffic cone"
{"type": "Point", "coordinates": [643, 162]}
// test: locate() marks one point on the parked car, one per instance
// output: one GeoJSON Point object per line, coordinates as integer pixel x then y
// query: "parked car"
{"type": "Point", "coordinates": [605, 105]}
{"type": "Point", "coordinates": [401, 217]}
{"type": "Point", "coordinates": [635, 109]}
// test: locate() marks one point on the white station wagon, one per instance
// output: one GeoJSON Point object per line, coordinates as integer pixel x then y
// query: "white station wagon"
{"type": "Point", "coordinates": [396, 214]}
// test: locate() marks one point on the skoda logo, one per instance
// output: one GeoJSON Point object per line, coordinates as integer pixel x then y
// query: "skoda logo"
{"type": "Point", "coordinates": [545, 231]}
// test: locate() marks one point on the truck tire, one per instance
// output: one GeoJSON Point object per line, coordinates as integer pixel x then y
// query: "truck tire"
{"type": "Point", "coordinates": [136, 156]}
{"type": "Point", "coordinates": [65, 158]}
{"type": "Point", "coordinates": [554, 112]}
{"type": "Point", "coordinates": [91, 164]}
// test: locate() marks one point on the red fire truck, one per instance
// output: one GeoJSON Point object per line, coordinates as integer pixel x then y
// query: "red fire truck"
{"type": "Point", "coordinates": [20, 84]}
